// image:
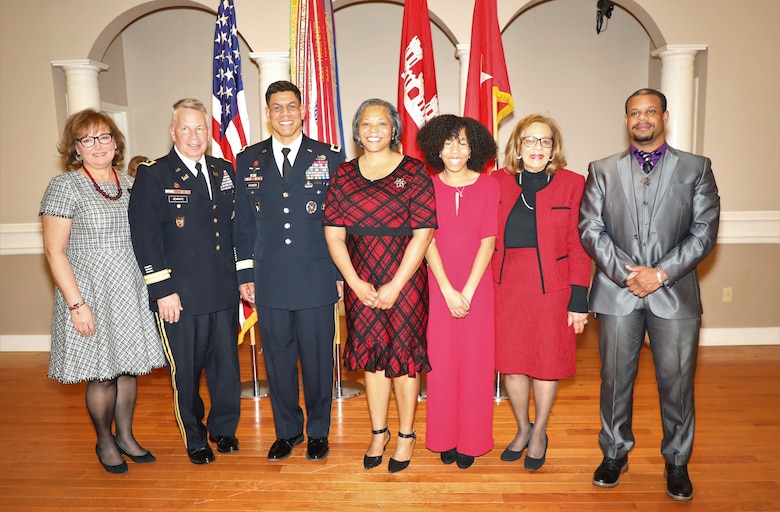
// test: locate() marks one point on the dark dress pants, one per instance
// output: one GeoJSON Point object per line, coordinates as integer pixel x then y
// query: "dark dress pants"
{"type": "Point", "coordinates": [198, 343]}
{"type": "Point", "coordinates": [306, 335]}
{"type": "Point", "coordinates": [674, 344]}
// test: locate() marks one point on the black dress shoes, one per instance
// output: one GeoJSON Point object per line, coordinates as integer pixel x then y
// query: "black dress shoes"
{"type": "Point", "coordinates": [118, 469]}
{"type": "Point", "coordinates": [678, 484]}
{"type": "Point", "coordinates": [318, 448]}
{"type": "Point", "coordinates": [464, 461]}
{"type": "Point", "coordinates": [372, 461]}
{"type": "Point", "coordinates": [510, 455]}
{"type": "Point", "coordinates": [138, 459]}
{"type": "Point", "coordinates": [202, 455]}
{"type": "Point", "coordinates": [282, 448]}
{"type": "Point", "coordinates": [531, 463]}
{"type": "Point", "coordinates": [393, 465]}
{"type": "Point", "coordinates": [608, 473]}
{"type": "Point", "coordinates": [449, 456]}
{"type": "Point", "coordinates": [225, 444]}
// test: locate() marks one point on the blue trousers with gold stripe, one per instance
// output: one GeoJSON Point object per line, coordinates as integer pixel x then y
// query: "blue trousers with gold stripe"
{"type": "Point", "coordinates": [198, 343]}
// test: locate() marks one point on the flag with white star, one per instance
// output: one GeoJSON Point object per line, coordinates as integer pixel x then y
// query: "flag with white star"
{"type": "Point", "coordinates": [230, 122]}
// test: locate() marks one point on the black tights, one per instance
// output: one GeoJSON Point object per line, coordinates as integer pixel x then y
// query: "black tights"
{"type": "Point", "coordinates": [108, 402]}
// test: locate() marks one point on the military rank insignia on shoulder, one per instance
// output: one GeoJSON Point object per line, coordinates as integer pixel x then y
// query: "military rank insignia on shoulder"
{"type": "Point", "coordinates": [148, 163]}
{"type": "Point", "coordinates": [335, 148]}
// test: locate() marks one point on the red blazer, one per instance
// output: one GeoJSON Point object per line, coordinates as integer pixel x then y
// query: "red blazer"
{"type": "Point", "coordinates": [562, 259]}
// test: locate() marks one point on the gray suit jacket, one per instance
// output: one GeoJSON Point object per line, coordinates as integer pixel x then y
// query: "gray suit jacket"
{"type": "Point", "coordinates": [683, 229]}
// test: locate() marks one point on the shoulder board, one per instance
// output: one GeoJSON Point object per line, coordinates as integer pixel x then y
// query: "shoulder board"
{"type": "Point", "coordinates": [242, 149]}
{"type": "Point", "coordinates": [147, 163]}
{"type": "Point", "coordinates": [335, 148]}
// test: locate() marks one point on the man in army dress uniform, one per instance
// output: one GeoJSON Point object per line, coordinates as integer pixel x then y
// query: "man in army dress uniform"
{"type": "Point", "coordinates": [180, 221]}
{"type": "Point", "coordinates": [285, 269]}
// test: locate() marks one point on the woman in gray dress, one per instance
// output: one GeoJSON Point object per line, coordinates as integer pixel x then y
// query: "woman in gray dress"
{"type": "Point", "coordinates": [102, 329]}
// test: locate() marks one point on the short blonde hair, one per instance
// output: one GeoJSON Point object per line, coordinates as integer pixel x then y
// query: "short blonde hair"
{"type": "Point", "coordinates": [511, 160]}
{"type": "Point", "coordinates": [187, 103]}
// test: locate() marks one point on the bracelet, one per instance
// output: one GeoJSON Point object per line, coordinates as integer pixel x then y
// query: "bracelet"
{"type": "Point", "coordinates": [76, 306]}
{"type": "Point", "coordinates": [658, 275]}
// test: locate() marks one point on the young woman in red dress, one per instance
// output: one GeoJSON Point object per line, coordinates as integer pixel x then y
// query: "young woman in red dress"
{"type": "Point", "coordinates": [461, 340]}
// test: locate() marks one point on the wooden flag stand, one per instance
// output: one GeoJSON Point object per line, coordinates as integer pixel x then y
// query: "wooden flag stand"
{"type": "Point", "coordinates": [254, 389]}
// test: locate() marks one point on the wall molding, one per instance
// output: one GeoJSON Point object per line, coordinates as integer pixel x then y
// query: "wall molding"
{"type": "Point", "coordinates": [709, 337]}
{"type": "Point", "coordinates": [754, 227]}
{"type": "Point", "coordinates": [18, 239]}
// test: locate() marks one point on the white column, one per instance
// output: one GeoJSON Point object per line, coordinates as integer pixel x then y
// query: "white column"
{"type": "Point", "coordinates": [677, 83]}
{"type": "Point", "coordinates": [81, 83]}
{"type": "Point", "coordinates": [273, 66]}
{"type": "Point", "coordinates": [462, 52]}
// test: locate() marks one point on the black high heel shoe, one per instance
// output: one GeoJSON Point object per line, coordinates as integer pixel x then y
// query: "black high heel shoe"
{"type": "Point", "coordinates": [531, 463]}
{"type": "Point", "coordinates": [370, 462]}
{"type": "Point", "coordinates": [394, 466]}
{"type": "Point", "coordinates": [119, 469]}
{"type": "Point", "coordinates": [138, 459]}
{"type": "Point", "coordinates": [510, 455]}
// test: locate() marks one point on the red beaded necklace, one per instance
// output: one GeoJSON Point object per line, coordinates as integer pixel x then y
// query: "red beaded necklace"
{"type": "Point", "coordinates": [102, 192]}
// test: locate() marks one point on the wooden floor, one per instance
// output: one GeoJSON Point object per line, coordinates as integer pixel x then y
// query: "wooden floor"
{"type": "Point", "coordinates": [48, 463]}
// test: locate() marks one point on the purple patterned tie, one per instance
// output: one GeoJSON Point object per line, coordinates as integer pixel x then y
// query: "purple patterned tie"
{"type": "Point", "coordinates": [647, 157]}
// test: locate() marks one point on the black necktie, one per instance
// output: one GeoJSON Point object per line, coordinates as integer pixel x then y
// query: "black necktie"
{"type": "Point", "coordinates": [647, 157]}
{"type": "Point", "coordinates": [286, 167]}
{"type": "Point", "coordinates": [202, 178]}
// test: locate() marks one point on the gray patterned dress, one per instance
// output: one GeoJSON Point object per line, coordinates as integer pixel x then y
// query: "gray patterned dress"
{"type": "Point", "coordinates": [101, 255]}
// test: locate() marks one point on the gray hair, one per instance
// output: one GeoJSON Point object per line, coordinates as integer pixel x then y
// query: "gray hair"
{"type": "Point", "coordinates": [395, 117]}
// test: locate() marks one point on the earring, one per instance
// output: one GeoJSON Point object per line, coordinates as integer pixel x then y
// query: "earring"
{"type": "Point", "coordinates": [78, 157]}
{"type": "Point", "coordinates": [519, 157]}
{"type": "Point", "coordinates": [439, 154]}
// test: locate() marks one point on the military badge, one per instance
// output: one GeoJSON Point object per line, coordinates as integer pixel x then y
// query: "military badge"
{"type": "Point", "coordinates": [227, 183]}
{"type": "Point", "coordinates": [311, 207]}
{"type": "Point", "coordinates": [179, 222]}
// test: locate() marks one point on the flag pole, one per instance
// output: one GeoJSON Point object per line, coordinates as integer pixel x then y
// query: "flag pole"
{"type": "Point", "coordinates": [342, 389]}
{"type": "Point", "coordinates": [254, 389]}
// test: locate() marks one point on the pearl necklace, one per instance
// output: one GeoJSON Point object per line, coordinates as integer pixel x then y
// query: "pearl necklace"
{"type": "Point", "coordinates": [522, 196]}
{"type": "Point", "coordinates": [102, 192]}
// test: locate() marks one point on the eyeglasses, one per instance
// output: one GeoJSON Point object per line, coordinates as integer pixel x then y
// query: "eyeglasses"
{"type": "Point", "coordinates": [530, 141]}
{"type": "Point", "coordinates": [104, 138]}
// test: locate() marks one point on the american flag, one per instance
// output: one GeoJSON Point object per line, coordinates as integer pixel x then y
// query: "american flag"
{"type": "Point", "coordinates": [229, 121]}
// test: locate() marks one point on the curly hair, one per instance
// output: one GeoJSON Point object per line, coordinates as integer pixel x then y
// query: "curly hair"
{"type": "Point", "coordinates": [82, 123]}
{"type": "Point", "coordinates": [395, 119]}
{"type": "Point", "coordinates": [442, 128]}
{"type": "Point", "coordinates": [512, 153]}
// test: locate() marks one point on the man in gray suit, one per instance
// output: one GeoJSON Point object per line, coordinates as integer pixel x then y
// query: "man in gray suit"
{"type": "Point", "coordinates": [649, 215]}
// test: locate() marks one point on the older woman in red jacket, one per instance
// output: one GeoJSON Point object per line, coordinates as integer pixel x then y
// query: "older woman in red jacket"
{"type": "Point", "coordinates": [541, 273]}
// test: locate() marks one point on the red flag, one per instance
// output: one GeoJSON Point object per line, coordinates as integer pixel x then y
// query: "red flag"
{"type": "Point", "coordinates": [229, 119]}
{"type": "Point", "coordinates": [314, 68]}
{"type": "Point", "coordinates": [488, 97]}
{"type": "Point", "coordinates": [417, 98]}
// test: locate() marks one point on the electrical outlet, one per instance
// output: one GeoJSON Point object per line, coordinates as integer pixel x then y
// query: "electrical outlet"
{"type": "Point", "coordinates": [728, 294]}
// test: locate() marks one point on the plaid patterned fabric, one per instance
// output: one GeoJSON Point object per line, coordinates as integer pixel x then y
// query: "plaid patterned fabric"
{"type": "Point", "coordinates": [379, 216]}
{"type": "Point", "coordinates": [102, 259]}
